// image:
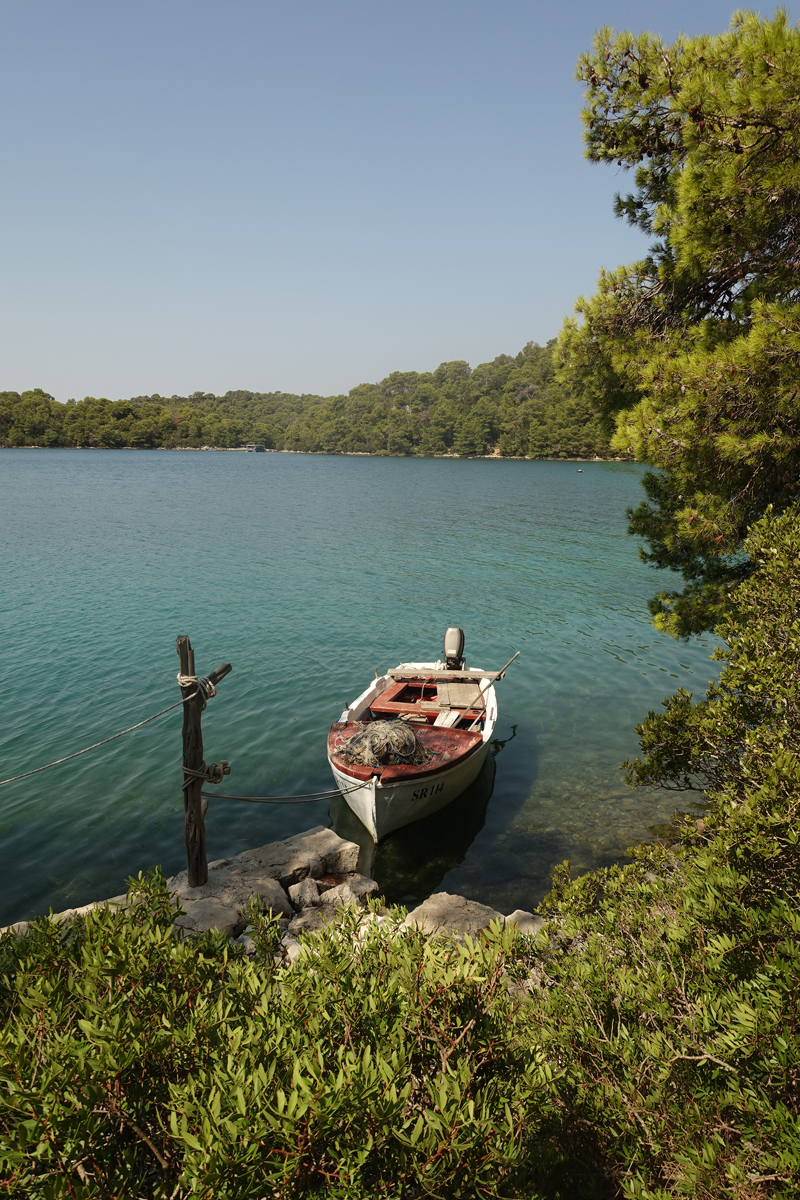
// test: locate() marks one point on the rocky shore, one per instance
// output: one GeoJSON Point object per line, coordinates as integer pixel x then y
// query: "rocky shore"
{"type": "Point", "coordinates": [304, 880]}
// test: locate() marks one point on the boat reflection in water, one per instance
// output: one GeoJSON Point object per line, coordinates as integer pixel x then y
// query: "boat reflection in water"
{"type": "Point", "coordinates": [411, 863]}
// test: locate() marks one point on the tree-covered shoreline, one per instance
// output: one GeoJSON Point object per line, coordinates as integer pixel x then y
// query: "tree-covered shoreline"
{"type": "Point", "coordinates": [512, 407]}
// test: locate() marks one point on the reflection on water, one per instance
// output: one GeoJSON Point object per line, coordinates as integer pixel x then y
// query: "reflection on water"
{"type": "Point", "coordinates": [411, 863]}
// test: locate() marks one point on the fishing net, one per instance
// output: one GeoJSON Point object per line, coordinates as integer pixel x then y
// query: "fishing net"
{"type": "Point", "coordinates": [384, 743]}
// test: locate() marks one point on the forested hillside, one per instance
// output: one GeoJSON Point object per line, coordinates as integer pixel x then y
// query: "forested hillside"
{"type": "Point", "coordinates": [512, 406]}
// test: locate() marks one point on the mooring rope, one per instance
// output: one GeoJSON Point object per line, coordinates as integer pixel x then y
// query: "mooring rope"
{"type": "Point", "coordinates": [105, 742]}
{"type": "Point", "coordinates": [209, 773]}
{"type": "Point", "coordinates": [309, 798]}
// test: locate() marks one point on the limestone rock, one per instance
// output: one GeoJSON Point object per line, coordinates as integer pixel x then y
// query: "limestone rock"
{"type": "Point", "coordinates": [208, 912]}
{"type": "Point", "coordinates": [309, 920]}
{"type": "Point", "coordinates": [442, 913]}
{"type": "Point", "coordinates": [361, 887]}
{"type": "Point", "coordinates": [340, 857]}
{"type": "Point", "coordinates": [316, 852]}
{"type": "Point", "coordinates": [304, 894]}
{"type": "Point", "coordinates": [271, 895]}
{"type": "Point", "coordinates": [353, 889]}
{"type": "Point", "coordinates": [232, 883]}
{"type": "Point", "coordinates": [19, 927]}
{"type": "Point", "coordinates": [337, 897]}
{"type": "Point", "coordinates": [526, 922]}
{"type": "Point", "coordinates": [291, 949]}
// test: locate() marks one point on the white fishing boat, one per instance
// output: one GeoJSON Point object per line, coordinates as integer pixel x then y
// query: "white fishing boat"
{"type": "Point", "coordinates": [415, 739]}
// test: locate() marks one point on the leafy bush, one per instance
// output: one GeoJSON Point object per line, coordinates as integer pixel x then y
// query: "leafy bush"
{"type": "Point", "coordinates": [681, 1010]}
{"type": "Point", "coordinates": [139, 1064]}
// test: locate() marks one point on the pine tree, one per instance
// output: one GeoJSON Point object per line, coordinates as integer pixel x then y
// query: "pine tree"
{"type": "Point", "coordinates": [694, 351]}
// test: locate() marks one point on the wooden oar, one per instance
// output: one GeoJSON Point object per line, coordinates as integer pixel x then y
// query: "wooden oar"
{"type": "Point", "coordinates": [499, 676]}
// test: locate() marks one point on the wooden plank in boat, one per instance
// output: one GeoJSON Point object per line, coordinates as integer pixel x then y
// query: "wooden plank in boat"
{"type": "Point", "coordinates": [458, 695]}
{"type": "Point", "coordinates": [447, 720]}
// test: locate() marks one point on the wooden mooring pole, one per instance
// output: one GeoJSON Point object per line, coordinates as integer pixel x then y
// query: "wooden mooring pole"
{"type": "Point", "coordinates": [194, 830]}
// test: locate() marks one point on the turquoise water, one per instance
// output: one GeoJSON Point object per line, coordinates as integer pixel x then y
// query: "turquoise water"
{"type": "Point", "coordinates": [306, 573]}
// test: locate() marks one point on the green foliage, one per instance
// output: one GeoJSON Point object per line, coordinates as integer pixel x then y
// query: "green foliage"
{"type": "Point", "coordinates": [694, 350]}
{"type": "Point", "coordinates": [748, 726]}
{"type": "Point", "coordinates": [135, 1063]}
{"type": "Point", "coordinates": [512, 406]}
{"type": "Point", "coordinates": [681, 1006]}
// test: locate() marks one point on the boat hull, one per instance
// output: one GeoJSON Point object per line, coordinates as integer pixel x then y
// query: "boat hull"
{"type": "Point", "coordinates": [388, 799]}
{"type": "Point", "coordinates": [381, 808]}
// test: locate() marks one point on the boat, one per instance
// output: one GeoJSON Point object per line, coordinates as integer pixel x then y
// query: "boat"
{"type": "Point", "coordinates": [446, 711]}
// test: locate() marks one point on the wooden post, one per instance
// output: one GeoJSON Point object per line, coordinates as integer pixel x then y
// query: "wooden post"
{"type": "Point", "coordinates": [194, 830]}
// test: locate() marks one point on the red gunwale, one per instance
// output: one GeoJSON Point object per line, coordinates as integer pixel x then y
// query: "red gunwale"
{"type": "Point", "coordinates": [443, 742]}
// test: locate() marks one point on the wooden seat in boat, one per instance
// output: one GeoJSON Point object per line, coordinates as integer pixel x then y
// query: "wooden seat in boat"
{"type": "Point", "coordinates": [446, 720]}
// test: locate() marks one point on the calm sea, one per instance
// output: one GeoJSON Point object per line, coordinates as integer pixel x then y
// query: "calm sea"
{"type": "Point", "coordinates": [307, 573]}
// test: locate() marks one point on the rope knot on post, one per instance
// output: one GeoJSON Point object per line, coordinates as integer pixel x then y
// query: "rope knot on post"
{"type": "Point", "coordinates": [207, 772]}
{"type": "Point", "coordinates": [204, 685]}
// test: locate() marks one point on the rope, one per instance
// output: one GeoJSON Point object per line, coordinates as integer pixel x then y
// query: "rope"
{"type": "Point", "coordinates": [309, 798]}
{"type": "Point", "coordinates": [209, 772]}
{"type": "Point", "coordinates": [113, 738]}
{"type": "Point", "coordinates": [204, 686]}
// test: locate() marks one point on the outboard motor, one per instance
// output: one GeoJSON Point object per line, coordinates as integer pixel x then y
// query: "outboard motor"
{"type": "Point", "coordinates": [454, 648]}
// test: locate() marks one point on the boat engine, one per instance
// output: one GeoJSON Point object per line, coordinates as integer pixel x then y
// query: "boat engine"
{"type": "Point", "coordinates": [454, 648]}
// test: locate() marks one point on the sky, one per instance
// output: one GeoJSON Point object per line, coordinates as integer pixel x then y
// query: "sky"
{"type": "Point", "coordinates": [300, 196]}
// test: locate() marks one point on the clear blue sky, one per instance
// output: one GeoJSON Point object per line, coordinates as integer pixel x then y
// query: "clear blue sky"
{"type": "Point", "coordinates": [299, 195]}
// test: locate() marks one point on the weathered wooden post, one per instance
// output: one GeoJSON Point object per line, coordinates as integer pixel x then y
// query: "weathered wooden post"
{"type": "Point", "coordinates": [196, 773]}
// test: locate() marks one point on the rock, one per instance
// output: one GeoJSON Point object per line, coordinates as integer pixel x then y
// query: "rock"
{"type": "Point", "coordinates": [326, 882]}
{"type": "Point", "coordinates": [337, 897]}
{"type": "Point", "coordinates": [247, 944]}
{"type": "Point", "coordinates": [316, 852]}
{"type": "Point", "coordinates": [308, 921]}
{"type": "Point", "coordinates": [304, 894]}
{"type": "Point", "coordinates": [442, 913]}
{"type": "Point", "coordinates": [271, 895]}
{"type": "Point", "coordinates": [291, 949]}
{"type": "Point", "coordinates": [650, 877]}
{"type": "Point", "coordinates": [209, 913]}
{"type": "Point", "coordinates": [232, 883]}
{"type": "Point", "coordinates": [526, 922]}
{"type": "Point", "coordinates": [340, 857]}
{"type": "Point", "coordinates": [69, 914]}
{"type": "Point", "coordinates": [361, 887]}
{"type": "Point", "coordinates": [354, 889]}
{"type": "Point", "coordinates": [19, 927]}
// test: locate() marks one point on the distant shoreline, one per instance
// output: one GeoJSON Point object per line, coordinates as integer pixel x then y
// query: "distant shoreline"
{"type": "Point", "coordinates": [342, 453]}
